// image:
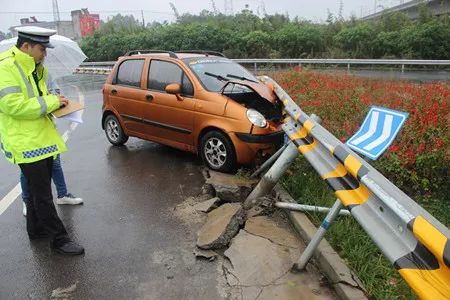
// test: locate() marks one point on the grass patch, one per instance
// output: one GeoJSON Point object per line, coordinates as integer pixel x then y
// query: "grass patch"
{"type": "Point", "coordinates": [347, 237]}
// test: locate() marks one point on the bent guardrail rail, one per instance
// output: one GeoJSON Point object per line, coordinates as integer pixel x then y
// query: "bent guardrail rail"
{"type": "Point", "coordinates": [409, 237]}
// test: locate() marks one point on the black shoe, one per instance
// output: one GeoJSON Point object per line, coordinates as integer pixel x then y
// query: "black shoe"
{"type": "Point", "coordinates": [69, 248]}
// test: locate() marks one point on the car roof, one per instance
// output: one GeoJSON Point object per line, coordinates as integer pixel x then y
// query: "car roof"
{"type": "Point", "coordinates": [180, 55]}
{"type": "Point", "coordinates": [176, 55]}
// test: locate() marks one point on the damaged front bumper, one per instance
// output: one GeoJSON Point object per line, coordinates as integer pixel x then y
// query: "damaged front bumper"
{"type": "Point", "coordinates": [271, 138]}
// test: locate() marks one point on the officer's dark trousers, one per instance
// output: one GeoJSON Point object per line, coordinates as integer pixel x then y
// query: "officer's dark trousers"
{"type": "Point", "coordinates": [42, 217]}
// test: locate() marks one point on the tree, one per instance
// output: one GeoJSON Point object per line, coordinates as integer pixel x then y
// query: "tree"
{"type": "Point", "coordinates": [299, 40]}
{"type": "Point", "coordinates": [356, 40]}
{"type": "Point", "coordinates": [258, 44]}
{"type": "Point", "coordinates": [123, 24]}
{"type": "Point", "coordinates": [387, 44]}
{"type": "Point", "coordinates": [426, 41]}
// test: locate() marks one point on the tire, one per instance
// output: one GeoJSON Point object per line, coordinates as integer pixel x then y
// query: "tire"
{"type": "Point", "coordinates": [114, 132]}
{"type": "Point", "coordinates": [217, 152]}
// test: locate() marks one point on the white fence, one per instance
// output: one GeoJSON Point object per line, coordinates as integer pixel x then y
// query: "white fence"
{"type": "Point", "coordinates": [104, 67]}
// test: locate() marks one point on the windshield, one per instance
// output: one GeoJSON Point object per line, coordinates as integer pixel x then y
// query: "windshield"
{"type": "Point", "coordinates": [217, 72]}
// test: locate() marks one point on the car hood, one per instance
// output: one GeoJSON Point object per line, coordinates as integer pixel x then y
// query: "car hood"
{"type": "Point", "coordinates": [260, 88]}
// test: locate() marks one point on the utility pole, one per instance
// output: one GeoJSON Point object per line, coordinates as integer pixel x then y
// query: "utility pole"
{"type": "Point", "coordinates": [214, 7]}
{"type": "Point", "coordinates": [143, 21]}
{"type": "Point", "coordinates": [228, 7]}
{"type": "Point", "coordinates": [175, 10]}
{"type": "Point", "coordinates": [55, 11]}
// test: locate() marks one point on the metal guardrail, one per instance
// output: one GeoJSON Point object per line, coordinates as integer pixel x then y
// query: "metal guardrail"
{"type": "Point", "coordinates": [416, 244]}
{"type": "Point", "coordinates": [315, 61]}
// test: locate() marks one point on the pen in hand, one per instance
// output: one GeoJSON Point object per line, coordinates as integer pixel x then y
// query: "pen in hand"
{"type": "Point", "coordinates": [62, 101]}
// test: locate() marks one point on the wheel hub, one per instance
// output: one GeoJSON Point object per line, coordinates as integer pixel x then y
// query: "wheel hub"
{"type": "Point", "coordinates": [215, 152]}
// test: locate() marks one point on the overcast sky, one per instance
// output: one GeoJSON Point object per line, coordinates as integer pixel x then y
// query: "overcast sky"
{"type": "Point", "coordinates": [316, 10]}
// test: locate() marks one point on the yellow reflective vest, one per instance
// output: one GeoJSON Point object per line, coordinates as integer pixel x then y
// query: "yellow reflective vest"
{"type": "Point", "coordinates": [27, 132]}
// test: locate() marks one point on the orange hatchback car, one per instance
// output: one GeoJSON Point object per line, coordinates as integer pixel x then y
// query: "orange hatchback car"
{"type": "Point", "coordinates": [197, 101]}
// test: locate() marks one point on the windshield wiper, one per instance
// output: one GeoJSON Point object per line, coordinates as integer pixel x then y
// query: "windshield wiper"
{"type": "Point", "coordinates": [219, 77]}
{"type": "Point", "coordinates": [241, 78]}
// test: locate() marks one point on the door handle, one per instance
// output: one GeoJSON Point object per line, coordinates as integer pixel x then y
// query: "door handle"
{"type": "Point", "coordinates": [113, 92]}
{"type": "Point", "coordinates": [149, 97]}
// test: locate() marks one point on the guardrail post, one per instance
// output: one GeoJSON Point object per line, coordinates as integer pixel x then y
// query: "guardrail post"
{"type": "Point", "coordinates": [403, 68]}
{"type": "Point", "coordinates": [254, 67]}
{"type": "Point", "coordinates": [348, 67]}
{"type": "Point", "coordinates": [268, 162]}
{"type": "Point", "coordinates": [309, 251]}
{"type": "Point", "coordinates": [270, 179]}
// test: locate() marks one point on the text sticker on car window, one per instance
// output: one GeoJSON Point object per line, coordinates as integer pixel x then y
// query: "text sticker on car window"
{"type": "Point", "coordinates": [213, 61]}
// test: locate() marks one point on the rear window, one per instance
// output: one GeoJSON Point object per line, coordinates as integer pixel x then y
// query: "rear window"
{"type": "Point", "coordinates": [163, 73]}
{"type": "Point", "coordinates": [129, 72]}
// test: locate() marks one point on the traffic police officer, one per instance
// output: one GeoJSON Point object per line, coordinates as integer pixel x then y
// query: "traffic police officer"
{"type": "Point", "coordinates": [28, 136]}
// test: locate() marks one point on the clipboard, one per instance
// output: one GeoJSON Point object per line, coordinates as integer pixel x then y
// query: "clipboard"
{"type": "Point", "coordinates": [71, 107]}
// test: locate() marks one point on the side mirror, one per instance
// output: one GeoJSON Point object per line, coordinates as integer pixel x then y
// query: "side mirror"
{"type": "Point", "coordinates": [174, 89]}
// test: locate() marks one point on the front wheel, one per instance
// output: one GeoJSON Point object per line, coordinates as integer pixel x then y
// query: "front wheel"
{"type": "Point", "coordinates": [114, 132]}
{"type": "Point", "coordinates": [217, 152]}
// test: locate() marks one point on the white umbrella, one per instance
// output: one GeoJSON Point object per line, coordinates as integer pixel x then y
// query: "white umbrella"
{"type": "Point", "coordinates": [61, 60]}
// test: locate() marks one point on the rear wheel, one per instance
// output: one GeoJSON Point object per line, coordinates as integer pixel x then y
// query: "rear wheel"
{"type": "Point", "coordinates": [114, 132]}
{"type": "Point", "coordinates": [217, 151]}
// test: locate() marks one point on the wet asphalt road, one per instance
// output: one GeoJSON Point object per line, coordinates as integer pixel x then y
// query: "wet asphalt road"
{"type": "Point", "coordinates": [135, 247]}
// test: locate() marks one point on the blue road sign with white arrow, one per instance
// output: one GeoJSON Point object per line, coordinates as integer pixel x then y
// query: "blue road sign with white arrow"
{"type": "Point", "coordinates": [377, 132]}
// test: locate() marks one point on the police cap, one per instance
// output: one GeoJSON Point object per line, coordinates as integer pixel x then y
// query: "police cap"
{"type": "Point", "coordinates": [36, 34]}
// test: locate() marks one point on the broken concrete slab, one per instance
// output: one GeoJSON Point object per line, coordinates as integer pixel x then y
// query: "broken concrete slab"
{"type": "Point", "coordinates": [207, 254]}
{"type": "Point", "coordinates": [257, 261]}
{"type": "Point", "coordinates": [221, 226]}
{"type": "Point", "coordinates": [231, 188]}
{"type": "Point", "coordinates": [260, 269]}
{"type": "Point", "coordinates": [266, 205]}
{"type": "Point", "coordinates": [295, 286]}
{"type": "Point", "coordinates": [265, 227]}
{"type": "Point", "coordinates": [208, 205]}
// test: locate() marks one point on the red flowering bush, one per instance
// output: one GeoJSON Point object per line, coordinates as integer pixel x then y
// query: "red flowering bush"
{"type": "Point", "coordinates": [418, 160]}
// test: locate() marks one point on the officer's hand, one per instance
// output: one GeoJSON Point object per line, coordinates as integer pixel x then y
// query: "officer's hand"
{"type": "Point", "coordinates": [62, 101]}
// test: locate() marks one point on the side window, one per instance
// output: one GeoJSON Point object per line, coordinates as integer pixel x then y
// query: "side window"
{"type": "Point", "coordinates": [129, 72]}
{"type": "Point", "coordinates": [163, 73]}
{"type": "Point", "coordinates": [186, 86]}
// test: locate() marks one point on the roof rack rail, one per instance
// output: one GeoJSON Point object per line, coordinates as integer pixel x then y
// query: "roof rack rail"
{"type": "Point", "coordinates": [205, 52]}
{"type": "Point", "coordinates": [132, 52]}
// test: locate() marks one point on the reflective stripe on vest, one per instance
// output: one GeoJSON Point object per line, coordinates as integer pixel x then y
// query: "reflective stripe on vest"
{"type": "Point", "coordinates": [7, 154]}
{"type": "Point", "coordinates": [40, 151]}
{"type": "Point", "coordinates": [43, 105]}
{"type": "Point", "coordinates": [25, 79]}
{"type": "Point", "coordinates": [30, 91]}
{"type": "Point", "coordinates": [10, 90]}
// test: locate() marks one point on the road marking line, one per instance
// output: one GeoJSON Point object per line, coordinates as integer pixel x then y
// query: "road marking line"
{"type": "Point", "coordinates": [9, 198]}
{"type": "Point", "coordinates": [17, 190]}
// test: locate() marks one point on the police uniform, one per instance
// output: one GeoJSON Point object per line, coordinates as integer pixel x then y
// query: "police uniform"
{"type": "Point", "coordinates": [29, 137]}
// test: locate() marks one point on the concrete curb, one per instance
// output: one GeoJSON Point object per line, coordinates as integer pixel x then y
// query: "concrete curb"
{"type": "Point", "coordinates": [346, 284]}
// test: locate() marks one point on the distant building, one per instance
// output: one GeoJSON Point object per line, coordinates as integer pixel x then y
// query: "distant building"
{"type": "Point", "coordinates": [85, 21]}
{"type": "Point", "coordinates": [82, 24]}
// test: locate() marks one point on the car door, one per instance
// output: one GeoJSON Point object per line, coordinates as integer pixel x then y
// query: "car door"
{"type": "Point", "coordinates": [171, 117]}
{"type": "Point", "coordinates": [127, 95]}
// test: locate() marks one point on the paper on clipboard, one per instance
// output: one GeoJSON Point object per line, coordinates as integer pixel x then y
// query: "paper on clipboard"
{"type": "Point", "coordinates": [71, 107]}
{"type": "Point", "coordinates": [73, 117]}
